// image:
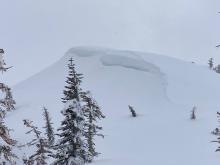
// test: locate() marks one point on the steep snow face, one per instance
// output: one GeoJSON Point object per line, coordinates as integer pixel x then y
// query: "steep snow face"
{"type": "Point", "coordinates": [161, 89]}
{"type": "Point", "coordinates": [127, 62]}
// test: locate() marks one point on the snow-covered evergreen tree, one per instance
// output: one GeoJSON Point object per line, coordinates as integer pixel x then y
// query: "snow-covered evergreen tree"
{"type": "Point", "coordinates": [72, 89]}
{"type": "Point", "coordinates": [6, 104]}
{"type": "Point", "coordinates": [6, 145]}
{"type": "Point", "coordinates": [92, 113]}
{"type": "Point", "coordinates": [71, 147]}
{"type": "Point", "coordinates": [48, 127]}
{"type": "Point", "coordinates": [211, 63]}
{"type": "Point", "coordinates": [42, 146]}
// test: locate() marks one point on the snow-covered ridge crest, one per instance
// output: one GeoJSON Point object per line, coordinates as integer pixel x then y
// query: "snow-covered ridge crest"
{"type": "Point", "coordinates": [82, 51]}
{"type": "Point", "coordinates": [121, 58]}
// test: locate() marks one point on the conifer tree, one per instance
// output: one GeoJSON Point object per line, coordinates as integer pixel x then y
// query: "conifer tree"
{"type": "Point", "coordinates": [211, 63]}
{"type": "Point", "coordinates": [71, 147]}
{"type": "Point", "coordinates": [6, 143]}
{"type": "Point", "coordinates": [42, 152]}
{"type": "Point", "coordinates": [48, 127]}
{"type": "Point", "coordinates": [92, 113]}
{"type": "Point", "coordinates": [217, 69]}
{"type": "Point", "coordinates": [72, 89]}
{"type": "Point", "coordinates": [7, 102]}
{"type": "Point", "coordinates": [217, 133]}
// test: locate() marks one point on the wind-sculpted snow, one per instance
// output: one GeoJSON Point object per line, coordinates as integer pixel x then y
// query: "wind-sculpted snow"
{"type": "Point", "coordinates": [83, 52]}
{"type": "Point", "coordinates": [93, 51]}
{"type": "Point", "coordinates": [109, 57]}
{"type": "Point", "coordinates": [130, 63]}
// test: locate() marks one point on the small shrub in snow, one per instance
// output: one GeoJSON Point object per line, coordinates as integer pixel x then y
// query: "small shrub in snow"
{"type": "Point", "coordinates": [193, 113]}
{"type": "Point", "coordinates": [133, 113]}
{"type": "Point", "coordinates": [211, 63]}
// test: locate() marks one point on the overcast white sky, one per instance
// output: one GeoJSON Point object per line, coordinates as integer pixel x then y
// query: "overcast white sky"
{"type": "Point", "coordinates": [36, 33]}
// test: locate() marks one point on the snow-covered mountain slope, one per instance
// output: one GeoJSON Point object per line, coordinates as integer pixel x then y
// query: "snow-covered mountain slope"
{"type": "Point", "coordinates": [162, 90]}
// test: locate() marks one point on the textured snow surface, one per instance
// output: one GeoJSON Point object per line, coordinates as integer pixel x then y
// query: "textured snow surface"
{"type": "Point", "coordinates": [129, 63]}
{"type": "Point", "coordinates": [162, 90]}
